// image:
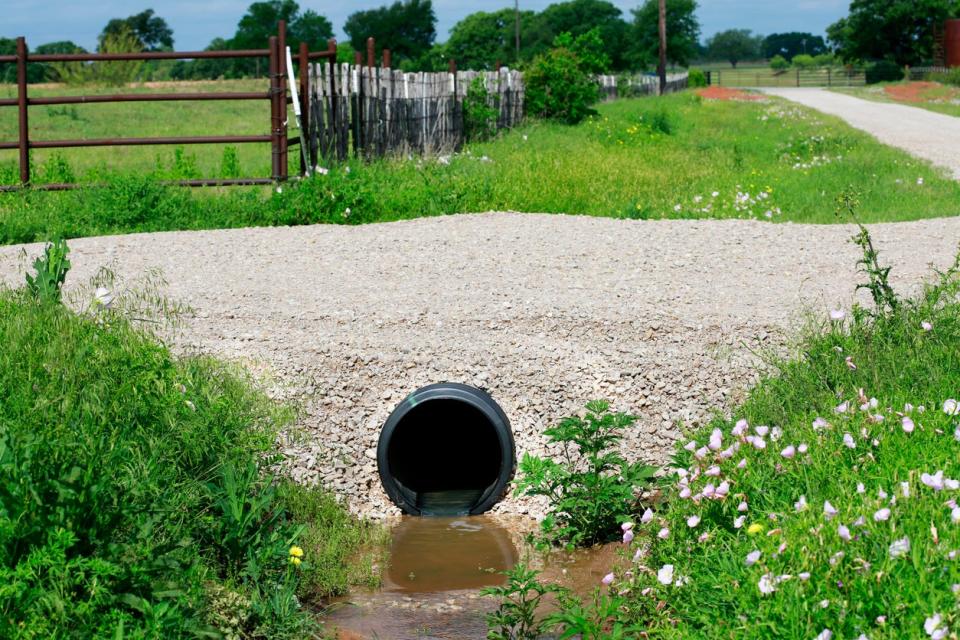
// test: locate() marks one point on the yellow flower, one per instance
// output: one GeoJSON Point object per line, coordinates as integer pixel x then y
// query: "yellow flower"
{"type": "Point", "coordinates": [294, 560]}
{"type": "Point", "coordinates": [296, 552]}
{"type": "Point", "coordinates": [755, 528]}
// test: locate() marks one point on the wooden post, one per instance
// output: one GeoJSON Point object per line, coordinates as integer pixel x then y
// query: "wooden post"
{"type": "Point", "coordinates": [371, 52]}
{"type": "Point", "coordinates": [306, 157]}
{"type": "Point", "coordinates": [22, 111]}
{"type": "Point", "coordinates": [282, 73]}
{"type": "Point", "coordinates": [358, 58]}
{"type": "Point", "coordinates": [274, 111]}
{"type": "Point", "coordinates": [662, 67]}
{"type": "Point", "coordinates": [334, 122]}
{"type": "Point", "coordinates": [385, 61]}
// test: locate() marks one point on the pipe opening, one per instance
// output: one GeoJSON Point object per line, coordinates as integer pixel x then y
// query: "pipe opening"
{"type": "Point", "coordinates": [446, 450]}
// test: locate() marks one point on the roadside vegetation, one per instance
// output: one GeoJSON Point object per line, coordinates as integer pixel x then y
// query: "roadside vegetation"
{"type": "Point", "coordinates": [825, 506]}
{"type": "Point", "coordinates": [941, 95]}
{"type": "Point", "coordinates": [140, 493]}
{"type": "Point", "coordinates": [680, 156]}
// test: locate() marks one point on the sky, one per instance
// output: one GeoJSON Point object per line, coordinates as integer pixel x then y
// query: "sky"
{"type": "Point", "coordinates": [196, 22]}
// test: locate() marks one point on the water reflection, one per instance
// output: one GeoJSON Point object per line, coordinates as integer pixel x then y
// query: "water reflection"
{"type": "Point", "coordinates": [430, 555]}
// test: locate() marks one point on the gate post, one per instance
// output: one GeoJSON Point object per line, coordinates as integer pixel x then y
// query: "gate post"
{"type": "Point", "coordinates": [282, 100]}
{"type": "Point", "coordinates": [22, 111]}
{"type": "Point", "coordinates": [275, 117]}
{"type": "Point", "coordinates": [306, 155]}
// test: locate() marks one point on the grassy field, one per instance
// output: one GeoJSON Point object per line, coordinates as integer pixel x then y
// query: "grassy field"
{"type": "Point", "coordinates": [675, 157]}
{"type": "Point", "coordinates": [767, 77]}
{"type": "Point", "coordinates": [139, 491]}
{"type": "Point", "coordinates": [932, 96]}
{"type": "Point", "coordinates": [145, 119]}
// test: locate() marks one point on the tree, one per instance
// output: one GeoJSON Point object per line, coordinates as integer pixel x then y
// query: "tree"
{"type": "Point", "coordinates": [897, 30]}
{"type": "Point", "coordinates": [407, 28]}
{"type": "Point", "coordinates": [151, 30]}
{"type": "Point", "coordinates": [790, 44]}
{"type": "Point", "coordinates": [44, 71]}
{"type": "Point", "coordinates": [481, 39]}
{"type": "Point", "coordinates": [733, 45]}
{"type": "Point", "coordinates": [683, 32]}
{"type": "Point", "coordinates": [578, 17]}
{"type": "Point", "coordinates": [8, 70]}
{"type": "Point", "coordinates": [262, 20]}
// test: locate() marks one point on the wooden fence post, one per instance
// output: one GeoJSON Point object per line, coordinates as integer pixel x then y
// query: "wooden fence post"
{"type": "Point", "coordinates": [22, 108]}
{"type": "Point", "coordinates": [306, 157]}
{"type": "Point", "coordinates": [371, 52]}
{"type": "Point", "coordinates": [334, 107]}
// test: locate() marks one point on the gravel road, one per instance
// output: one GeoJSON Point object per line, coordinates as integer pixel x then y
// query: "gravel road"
{"type": "Point", "coordinates": [545, 311]}
{"type": "Point", "coordinates": [924, 134]}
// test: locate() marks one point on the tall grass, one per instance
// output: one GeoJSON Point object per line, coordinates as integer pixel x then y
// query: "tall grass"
{"type": "Point", "coordinates": [138, 492]}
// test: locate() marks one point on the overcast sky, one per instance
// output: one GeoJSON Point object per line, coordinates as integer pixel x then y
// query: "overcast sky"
{"type": "Point", "coordinates": [196, 22]}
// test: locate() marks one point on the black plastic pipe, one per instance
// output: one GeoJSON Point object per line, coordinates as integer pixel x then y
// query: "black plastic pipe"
{"type": "Point", "coordinates": [447, 449]}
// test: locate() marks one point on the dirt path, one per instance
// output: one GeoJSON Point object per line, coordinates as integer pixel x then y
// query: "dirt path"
{"type": "Point", "coordinates": [546, 311]}
{"type": "Point", "coordinates": [924, 134]}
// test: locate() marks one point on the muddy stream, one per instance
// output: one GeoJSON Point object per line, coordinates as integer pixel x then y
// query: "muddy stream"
{"type": "Point", "coordinates": [437, 567]}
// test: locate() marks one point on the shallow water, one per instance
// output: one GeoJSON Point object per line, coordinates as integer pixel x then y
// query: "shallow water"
{"type": "Point", "coordinates": [438, 567]}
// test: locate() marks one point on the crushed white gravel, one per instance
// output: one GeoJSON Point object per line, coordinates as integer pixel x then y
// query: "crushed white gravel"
{"type": "Point", "coordinates": [544, 311]}
{"type": "Point", "coordinates": [922, 133]}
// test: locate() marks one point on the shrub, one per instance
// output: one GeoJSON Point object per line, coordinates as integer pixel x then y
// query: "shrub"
{"type": "Point", "coordinates": [884, 71]}
{"type": "Point", "coordinates": [696, 78]}
{"type": "Point", "coordinates": [479, 114]}
{"type": "Point", "coordinates": [592, 488]}
{"type": "Point", "coordinates": [779, 63]}
{"type": "Point", "coordinates": [589, 49]}
{"type": "Point", "coordinates": [804, 61]}
{"type": "Point", "coordinates": [950, 77]}
{"type": "Point", "coordinates": [557, 87]}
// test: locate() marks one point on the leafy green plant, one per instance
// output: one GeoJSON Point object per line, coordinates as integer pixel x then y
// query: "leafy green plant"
{"type": "Point", "coordinates": [592, 488]}
{"type": "Point", "coordinates": [696, 78]}
{"type": "Point", "coordinates": [607, 617]}
{"type": "Point", "coordinates": [779, 63]}
{"type": "Point", "coordinates": [57, 169]}
{"type": "Point", "coordinates": [884, 71]}
{"type": "Point", "coordinates": [589, 49]}
{"type": "Point", "coordinates": [51, 271]}
{"type": "Point", "coordinates": [558, 88]}
{"type": "Point", "coordinates": [885, 299]}
{"type": "Point", "coordinates": [479, 113]}
{"type": "Point", "coordinates": [230, 163]}
{"type": "Point", "coordinates": [515, 617]}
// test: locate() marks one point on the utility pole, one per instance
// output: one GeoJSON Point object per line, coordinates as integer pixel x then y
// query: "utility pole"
{"type": "Point", "coordinates": [662, 67]}
{"type": "Point", "coordinates": [516, 11]}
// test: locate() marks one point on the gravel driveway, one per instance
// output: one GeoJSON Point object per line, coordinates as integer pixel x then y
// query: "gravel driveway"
{"type": "Point", "coordinates": [545, 311]}
{"type": "Point", "coordinates": [924, 134]}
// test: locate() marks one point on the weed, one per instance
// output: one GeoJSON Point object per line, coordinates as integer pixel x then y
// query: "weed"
{"type": "Point", "coordinates": [51, 271]}
{"type": "Point", "coordinates": [519, 599]}
{"type": "Point", "coordinates": [592, 488]}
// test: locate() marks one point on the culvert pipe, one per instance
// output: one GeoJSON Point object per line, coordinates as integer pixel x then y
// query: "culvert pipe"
{"type": "Point", "coordinates": [447, 449]}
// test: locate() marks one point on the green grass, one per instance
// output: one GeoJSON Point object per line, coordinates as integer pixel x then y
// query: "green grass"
{"type": "Point", "coordinates": [137, 489]}
{"type": "Point", "coordinates": [145, 120]}
{"type": "Point", "coordinates": [643, 158]}
{"type": "Point", "coordinates": [852, 459]}
{"type": "Point", "coordinates": [941, 99]}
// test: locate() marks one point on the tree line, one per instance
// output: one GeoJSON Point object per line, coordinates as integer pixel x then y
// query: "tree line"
{"type": "Point", "coordinates": [897, 31]}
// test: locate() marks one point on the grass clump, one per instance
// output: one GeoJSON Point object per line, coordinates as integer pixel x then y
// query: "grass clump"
{"type": "Point", "coordinates": [827, 506]}
{"type": "Point", "coordinates": [138, 493]}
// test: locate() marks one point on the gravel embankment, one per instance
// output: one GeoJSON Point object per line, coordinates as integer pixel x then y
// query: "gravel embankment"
{"type": "Point", "coordinates": [545, 311]}
{"type": "Point", "coordinates": [922, 133]}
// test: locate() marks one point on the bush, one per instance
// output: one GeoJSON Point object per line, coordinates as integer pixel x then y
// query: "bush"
{"type": "Point", "coordinates": [479, 114]}
{"type": "Point", "coordinates": [591, 489]}
{"type": "Point", "coordinates": [804, 61]}
{"type": "Point", "coordinates": [884, 71]}
{"type": "Point", "coordinates": [696, 78]}
{"type": "Point", "coordinates": [136, 493]}
{"type": "Point", "coordinates": [950, 77]}
{"type": "Point", "coordinates": [557, 88]}
{"type": "Point", "coordinates": [779, 63]}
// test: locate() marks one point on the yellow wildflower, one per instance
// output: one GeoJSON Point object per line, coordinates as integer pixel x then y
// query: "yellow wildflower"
{"type": "Point", "coordinates": [755, 528]}
{"type": "Point", "coordinates": [294, 560]}
{"type": "Point", "coordinates": [296, 552]}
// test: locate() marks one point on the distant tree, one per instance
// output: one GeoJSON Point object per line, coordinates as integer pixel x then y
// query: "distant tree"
{"type": "Point", "coordinates": [45, 72]}
{"type": "Point", "coordinates": [8, 70]}
{"type": "Point", "coordinates": [897, 30]}
{"type": "Point", "coordinates": [407, 28]}
{"type": "Point", "coordinates": [733, 45]}
{"type": "Point", "coordinates": [589, 49]}
{"type": "Point", "coordinates": [577, 17]}
{"type": "Point", "coordinates": [790, 44]}
{"type": "Point", "coordinates": [779, 63]}
{"type": "Point", "coordinates": [481, 39]}
{"type": "Point", "coordinates": [262, 20]}
{"type": "Point", "coordinates": [683, 32]}
{"type": "Point", "coordinates": [151, 30]}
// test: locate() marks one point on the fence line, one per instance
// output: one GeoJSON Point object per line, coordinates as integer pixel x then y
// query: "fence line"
{"type": "Point", "coordinates": [827, 77]}
{"type": "Point", "coordinates": [374, 111]}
